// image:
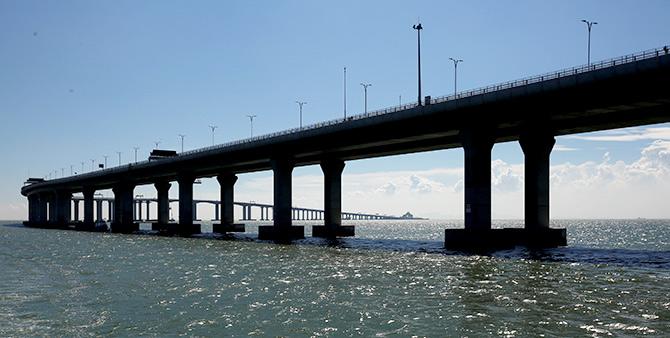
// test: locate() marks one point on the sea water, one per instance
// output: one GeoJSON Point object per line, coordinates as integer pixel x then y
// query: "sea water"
{"type": "Point", "coordinates": [393, 279]}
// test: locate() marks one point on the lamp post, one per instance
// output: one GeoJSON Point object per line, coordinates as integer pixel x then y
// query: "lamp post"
{"type": "Point", "coordinates": [345, 92]}
{"type": "Point", "coordinates": [589, 24]}
{"type": "Point", "coordinates": [71, 169]}
{"type": "Point", "coordinates": [455, 71]}
{"type": "Point", "coordinates": [157, 143]}
{"type": "Point", "coordinates": [300, 104]}
{"type": "Point", "coordinates": [213, 128]}
{"type": "Point", "coordinates": [251, 122]}
{"type": "Point", "coordinates": [418, 28]}
{"type": "Point", "coordinates": [82, 167]}
{"type": "Point", "coordinates": [365, 91]}
{"type": "Point", "coordinates": [92, 164]}
{"type": "Point", "coordinates": [119, 153]}
{"type": "Point", "coordinates": [182, 141]}
{"type": "Point", "coordinates": [136, 148]}
{"type": "Point", "coordinates": [105, 156]}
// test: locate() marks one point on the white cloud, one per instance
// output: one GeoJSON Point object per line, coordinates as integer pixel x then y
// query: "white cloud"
{"type": "Point", "coordinates": [627, 135]}
{"type": "Point", "coordinates": [560, 147]}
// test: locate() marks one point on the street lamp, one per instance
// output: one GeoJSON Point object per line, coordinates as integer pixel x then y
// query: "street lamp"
{"type": "Point", "coordinates": [455, 71]}
{"type": "Point", "coordinates": [365, 90]}
{"type": "Point", "coordinates": [182, 142]}
{"type": "Point", "coordinates": [300, 103]}
{"type": "Point", "coordinates": [418, 28]}
{"type": "Point", "coordinates": [136, 148]}
{"type": "Point", "coordinates": [92, 164]}
{"type": "Point", "coordinates": [589, 24]}
{"type": "Point", "coordinates": [345, 92]}
{"type": "Point", "coordinates": [213, 128]}
{"type": "Point", "coordinates": [119, 153]}
{"type": "Point", "coordinates": [82, 167]}
{"type": "Point", "coordinates": [251, 122]}
{"type": "Point", "coordinates": [71, 169]}
{"type": "Point", "coordinates": [157, 143]}
{"type": "Point", "coordinates": [105, 156]}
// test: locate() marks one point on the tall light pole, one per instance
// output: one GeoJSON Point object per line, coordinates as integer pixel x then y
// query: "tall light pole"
{"type": "Point", "coordinates": [455, 71]}
{"type": "Point", "coordinates": [251, 122]}
{"type": "Point", "coordinates": [300, 103]}
{"type": "Point", "coordinates": [345, 92]}
{"type": "Point", "coordinates": [119, 153]}
{"type": "Point", "coordinates": [418, 28]}
{"type": "Point", "coordinates": [92, 164]}
{"type": "Point", "coordinates": [589, 24]}
{"type": "Point", "coordinates": [213, 128]}
{"type": "Point", "coordinates": [365, 91]}
{"type": "Point", "coordinates": [71, 169]}
{"type": "Point", "coordinates": [62, 172]}
{"type": "Point", "coordinates": [182, 141]}
{"type": "Point", "coordinates": [157, 143]}
{"type": "Point", "coordinates": [136, 148]}
{"type": "Point", "coordinates": [105, 156]}
{"type": "Point", "coordinates": [82, 167]}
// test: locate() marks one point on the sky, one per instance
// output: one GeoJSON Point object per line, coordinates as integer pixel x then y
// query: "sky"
{"type": "Point", "coordinates": [80, 80]}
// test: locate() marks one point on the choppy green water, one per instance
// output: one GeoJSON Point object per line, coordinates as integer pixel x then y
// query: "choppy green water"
{"type": "Point", "coordinates": [394, 279]}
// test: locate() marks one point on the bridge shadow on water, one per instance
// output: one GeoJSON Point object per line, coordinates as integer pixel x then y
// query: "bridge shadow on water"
{"type": "Point", "coordinates": [630, 258]}
{"type": "Point", "coordinates": [646, 259]}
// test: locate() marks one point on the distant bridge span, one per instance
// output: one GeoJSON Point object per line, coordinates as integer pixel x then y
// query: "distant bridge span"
{"type": "Point", "coordinates": [298, 213]}
{"type": "Point", "coordinates": [632, 90]}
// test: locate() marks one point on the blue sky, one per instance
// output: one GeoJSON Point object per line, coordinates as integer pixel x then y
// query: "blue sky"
{"type": "Point", "coordinates": [83, 79]}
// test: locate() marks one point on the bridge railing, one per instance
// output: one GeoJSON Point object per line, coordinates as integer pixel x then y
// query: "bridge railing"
{"type": "Point", "coordinates": [647, 54]}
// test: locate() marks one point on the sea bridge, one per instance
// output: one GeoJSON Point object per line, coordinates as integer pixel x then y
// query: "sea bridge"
{"type": "Point", "coordinates": [631, 90]}
{"type": "Point", "coordinates": [298, 213]}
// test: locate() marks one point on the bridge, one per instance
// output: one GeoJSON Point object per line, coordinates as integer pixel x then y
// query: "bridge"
{"type": "Point", "coordinates": [298, 214]}
{"type": "Point", "coordinates": [627, 91]}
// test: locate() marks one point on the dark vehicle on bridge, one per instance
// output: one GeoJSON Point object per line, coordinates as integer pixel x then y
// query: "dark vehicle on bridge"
{"type": "Point", "coordinates": [158, 154]}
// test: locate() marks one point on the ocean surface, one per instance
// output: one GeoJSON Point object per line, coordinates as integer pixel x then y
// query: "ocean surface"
{"type": "Point", "coordinates": [393, 279]}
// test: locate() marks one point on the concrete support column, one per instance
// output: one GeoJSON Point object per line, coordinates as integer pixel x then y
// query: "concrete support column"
{"type": "Point", "coordinates": [477, 145]}
{"type": "Point", "coordinates": [216, 211]}
{"type": "Point", "coordinates": [186, 210]}
{"type": "Point", "coordinates": [98, 210]}
{"type": "Point", "coordinates": [162, 193]}
{"type": "Point", "coordinates": [88, 207]}
{"type": "Point", "coordinates": [139, 211]}
{"type": "Point", "coordinates": [33, 205]}
{"type": "Point", "coordinates": [332, 197]}
{"type": "Point", "coordinates": [110, 211]}
{"type": "Point", "coordinates": [148, 213]}
{"type": "Point", "coordinates": [537, 149]}
{"type": "Point", "coordinates": [43, 200]}
{"type": "Point", "coordinates": [124, 221]}
{"type": "Point", "coordinates": [63, 207]}
{"type": "Point", "coordinates": [76, 210]}
{"type": "Point", "coordinates": [195, 211]}
{"type": "Point", "coordinates": [281, 211]}
{"type": "Point", "coordinates": [227, 185]}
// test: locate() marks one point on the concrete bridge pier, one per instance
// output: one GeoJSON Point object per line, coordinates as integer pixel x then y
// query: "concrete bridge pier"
{"type": "Point", "coordinates": [110, 210]}
{"type": "Point", "coordinates": [139, 210]}
{"type": "Point", "coordinates": [98, 210]}
{"type": "Point", "coordinates": [477, 146]}
{"type": "Point", "coordinates": [123, 209]}
{"type": "Point", "coordinates": [283, 228]}
{"type": "Point", "coordinates": [76, 210]}
{"type": "Point", "coordinates": [227, 185]}
{"type": "Point", "coordinates": [186, 211]}
{"type": "Point", "coordinates": [33, 207]}
{"type": "Point", "coordinates": [537, 148]}
{"type": "Point", "coordinates": [332, 171]}
{"type": "Point", "coordinates": [148, 203]}
{"type": "Point", "coordinates": [163, 208]}
{"type": "Point", "coordinates": [59, 209]}
{"type": "Point", "coordinates": [88, 223]}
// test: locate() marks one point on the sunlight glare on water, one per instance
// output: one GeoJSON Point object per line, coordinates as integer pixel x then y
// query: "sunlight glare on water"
{"type": "Point", "coordinates": [393, 279]}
